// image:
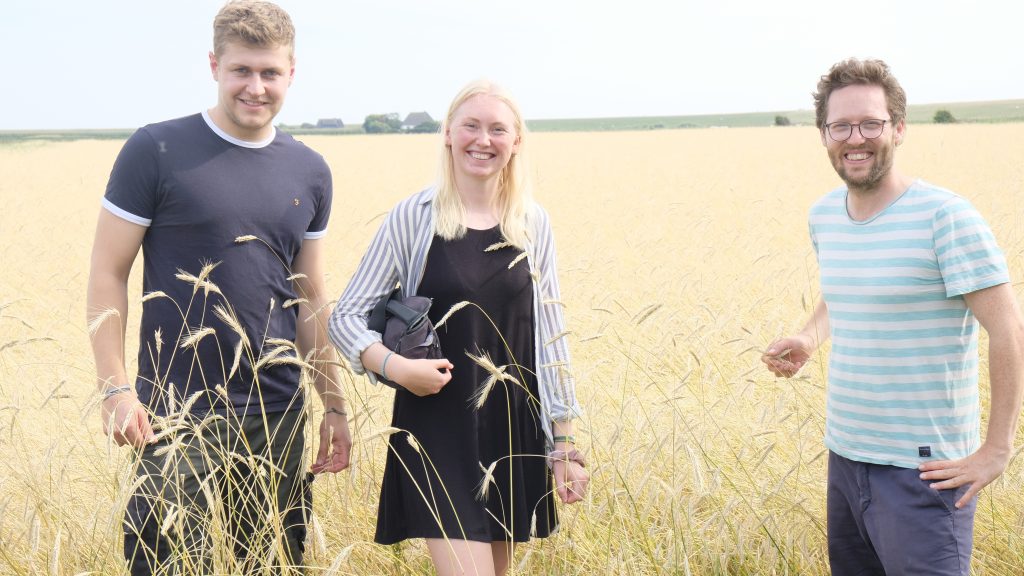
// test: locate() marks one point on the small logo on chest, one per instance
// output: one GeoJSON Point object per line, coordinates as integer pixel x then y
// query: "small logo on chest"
{"type": "Point", "coordinates": [295, 201]}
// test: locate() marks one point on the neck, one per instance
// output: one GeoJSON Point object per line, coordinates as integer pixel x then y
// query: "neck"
{"type": "Point", "coordinates": [863, 203]}
{"type": "Point", "coordinates": [479, 201]}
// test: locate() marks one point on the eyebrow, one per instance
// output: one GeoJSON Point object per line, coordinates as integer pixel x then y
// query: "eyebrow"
{"type": "Point", "coordinates": [475, 119]}
{"type": "Point", "coordinates": [237, 65]}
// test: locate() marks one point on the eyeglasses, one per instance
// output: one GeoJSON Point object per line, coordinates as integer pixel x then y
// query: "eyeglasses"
{"type": "Point", "coordinates": [869, 129]}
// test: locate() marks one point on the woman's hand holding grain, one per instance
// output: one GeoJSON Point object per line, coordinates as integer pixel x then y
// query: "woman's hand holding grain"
{"type": "Point", "coordinates": [571, 480]}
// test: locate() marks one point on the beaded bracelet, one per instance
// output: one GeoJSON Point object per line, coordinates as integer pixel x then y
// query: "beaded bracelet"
{"type": "Point", "coordinates": [111, 392]}
{"type": "Point", "coordinates": [384, 366]}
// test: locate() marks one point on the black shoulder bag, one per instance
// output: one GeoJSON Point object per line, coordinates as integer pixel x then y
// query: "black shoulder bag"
{"type": "Point", "coordinates": [405, 328]}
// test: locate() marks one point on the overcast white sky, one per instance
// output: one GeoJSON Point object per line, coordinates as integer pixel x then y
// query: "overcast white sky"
{"type": "Point", "coordinates": [125, 63]}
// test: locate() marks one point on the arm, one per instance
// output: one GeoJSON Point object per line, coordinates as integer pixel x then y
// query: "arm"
{"type": "Point", "coordinates": [786, 356]}
{"type": "Point", "coordinates": [375, 278]}
{"type": "Point", "coordinates": [571, 478]}
{"type": "Point", "coordinates": [114, 250]}
{"type": "Point", "coordinates": [311, 340]}
{"type": "Point", "coordinates": [997, 311]}
{"type": "Point", "coordinates": [421, 377]}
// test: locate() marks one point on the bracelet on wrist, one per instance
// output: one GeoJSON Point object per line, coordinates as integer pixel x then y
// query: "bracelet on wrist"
{"type": "Point", "coordinates": [111, 392]}
{"type": "Point", "coordinates": [384, 365]}
{"type": "Point", "coordinates": [333, 410]}
{"type": "Point", "coordinates": [567, 439]}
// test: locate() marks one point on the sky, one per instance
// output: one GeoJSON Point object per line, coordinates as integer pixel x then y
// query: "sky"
{"type": "Point", "coordinates": [126, 63]}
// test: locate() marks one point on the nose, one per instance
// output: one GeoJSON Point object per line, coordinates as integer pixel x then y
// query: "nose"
{"type": "Point", "coordinates": [255, 85]}
{"type": "Point", "coordinates": [483, 138]}
{"type": "Point", "coordinates": [855, 136]}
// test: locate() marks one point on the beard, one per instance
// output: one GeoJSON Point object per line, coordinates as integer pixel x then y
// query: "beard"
{"type": "Point", "coordinates": [880, 167]}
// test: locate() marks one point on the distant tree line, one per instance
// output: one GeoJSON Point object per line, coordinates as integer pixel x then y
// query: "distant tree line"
{"type": "Point", "coordinates": [416, 123]}
{"type": "Point", "coordinates": [389, 123]}
{"type": "Point", "coordinates": [382, 123]}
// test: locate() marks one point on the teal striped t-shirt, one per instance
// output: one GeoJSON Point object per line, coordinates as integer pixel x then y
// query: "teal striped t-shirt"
{"type": "Point", "coordinates": [903, 371]}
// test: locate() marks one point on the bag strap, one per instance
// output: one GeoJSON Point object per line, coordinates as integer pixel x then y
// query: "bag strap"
{"type": "Point", "coordinates": [378, 317]}
{"type": "Point", "coordinates": [410, 317]}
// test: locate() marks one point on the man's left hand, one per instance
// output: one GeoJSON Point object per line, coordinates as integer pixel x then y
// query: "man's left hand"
{"type": "Point", "coordinates": [978, 470]}
{"type": "Point", "coordinates": [335, 444]}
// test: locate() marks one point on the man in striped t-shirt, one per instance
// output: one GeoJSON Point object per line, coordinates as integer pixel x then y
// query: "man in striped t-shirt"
{"type": "Point", "coordinates": [908, 271]}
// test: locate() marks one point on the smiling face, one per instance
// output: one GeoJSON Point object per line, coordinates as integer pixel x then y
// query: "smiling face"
{"type": "Point", "coordinates": [863, 164]}
{"type": "Point", "coordinates": [482, 137]}
{"type": "Point", "coordinates": [251, 85]}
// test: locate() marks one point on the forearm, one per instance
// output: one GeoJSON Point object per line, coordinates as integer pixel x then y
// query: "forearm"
{"type": "Point", "coordinates": [564, 433]}
{"type": "Point", "coordinates": [311, 341]}
{"type": "Point", "coordinates": [373, 359]}
{"type": "Point", "coordinates": [106, 312]}
{"type": "Point", "coordinates": [1006, 377]}
{"type": "Point", "coordinates": [816, 330]}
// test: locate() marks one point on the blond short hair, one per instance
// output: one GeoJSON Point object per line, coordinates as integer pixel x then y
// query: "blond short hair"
{"type": "Point", "coordinates": [254, 23]}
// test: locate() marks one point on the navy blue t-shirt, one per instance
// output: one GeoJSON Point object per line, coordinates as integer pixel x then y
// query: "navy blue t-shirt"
{"type": "Point", "coordinates": [198, 191]}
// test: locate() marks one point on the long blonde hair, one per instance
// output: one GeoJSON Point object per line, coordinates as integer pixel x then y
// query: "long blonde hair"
{"type": "Point", "coordinates": [514, 197]}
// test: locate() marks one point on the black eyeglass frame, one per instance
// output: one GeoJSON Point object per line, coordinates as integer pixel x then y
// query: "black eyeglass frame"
{"type": "Point", "coordinates": [881, 130]}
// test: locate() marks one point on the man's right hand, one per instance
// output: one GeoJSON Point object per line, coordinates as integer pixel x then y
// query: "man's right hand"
{"type": "Point", "coordinates": [421, 377]}
{"type": "Point", "coordinates": [125, 419]}
{"type": "Point", "coordinates": [786, 356]}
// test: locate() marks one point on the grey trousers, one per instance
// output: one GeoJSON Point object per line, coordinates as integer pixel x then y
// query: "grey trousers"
{"type": "Point", "coordinates": [886, 521]}
{"type": "Point", "coordinates": [229, 495]}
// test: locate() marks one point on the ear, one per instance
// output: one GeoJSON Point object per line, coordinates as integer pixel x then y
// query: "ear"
{"type": "Point", "coordinates": [515, 145]}
{"type": "Point", "coordinates": [213, 65]}
{"type": "Point", "coordinates": [448, 136]}
{"type": "Point", "coordinates": [291, 73]}
{"type": "Point", "coordinates": [824, 138]}
{"type": "Point", "coordinates": [900, 131]}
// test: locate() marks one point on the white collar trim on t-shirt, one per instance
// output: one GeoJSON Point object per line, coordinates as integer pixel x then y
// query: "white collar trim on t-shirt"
{"type": "Point", "coordinates": [238, 141]}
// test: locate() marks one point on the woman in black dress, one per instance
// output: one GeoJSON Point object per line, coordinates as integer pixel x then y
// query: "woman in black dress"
{"type": "Point", "coordinates": [485, 436]}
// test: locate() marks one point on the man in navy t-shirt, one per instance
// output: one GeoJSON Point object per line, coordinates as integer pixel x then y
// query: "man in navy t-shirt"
{"type": "Point", "coordinates": [230, 215]}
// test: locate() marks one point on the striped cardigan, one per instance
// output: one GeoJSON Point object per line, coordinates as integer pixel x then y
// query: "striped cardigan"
{"type": "Point", "coordinates": [398, 254]}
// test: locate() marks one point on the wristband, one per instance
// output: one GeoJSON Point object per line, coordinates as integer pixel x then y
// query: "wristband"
{"type": "Point", "coordinates": [568, 439]}
{"type": "Point", "coordinates": [384, 366]}
{"type": "Point", "coordinates": [333, 410]}
{"type": "Point", "coordinates": [111, 392]}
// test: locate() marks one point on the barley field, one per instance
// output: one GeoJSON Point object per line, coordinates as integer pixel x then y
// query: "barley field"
{"type": "Point", "coordinates": [682, 253]}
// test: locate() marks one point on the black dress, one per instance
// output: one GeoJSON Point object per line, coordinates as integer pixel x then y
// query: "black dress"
{"type": "Point", "coordinates": [432, 486]}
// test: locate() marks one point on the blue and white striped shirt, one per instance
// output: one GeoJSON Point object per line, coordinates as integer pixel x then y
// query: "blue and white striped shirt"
{"type": "Point", "coordinates": [903, 371]}
{"type": "Point", "coordinates": [398, 254]}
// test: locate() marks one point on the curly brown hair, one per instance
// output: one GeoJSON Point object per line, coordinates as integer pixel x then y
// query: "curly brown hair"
{"type": "Point", "coordinates": [851, 72]}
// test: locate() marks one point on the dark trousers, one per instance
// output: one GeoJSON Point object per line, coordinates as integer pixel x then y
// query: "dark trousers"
{"type": "Point", "coordinates": [886, 521]}
{"type": "Point", "coordinates": [225, 495]}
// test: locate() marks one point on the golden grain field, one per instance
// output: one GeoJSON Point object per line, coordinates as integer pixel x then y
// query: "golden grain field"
{"type": "Point", "coordinates": [682, 253]}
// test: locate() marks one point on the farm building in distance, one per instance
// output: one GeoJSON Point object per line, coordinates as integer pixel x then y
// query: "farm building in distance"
{"type": "Point", "coordinates": [414, 119]}
{"type": "Point", "coordinates": [330, 123]}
